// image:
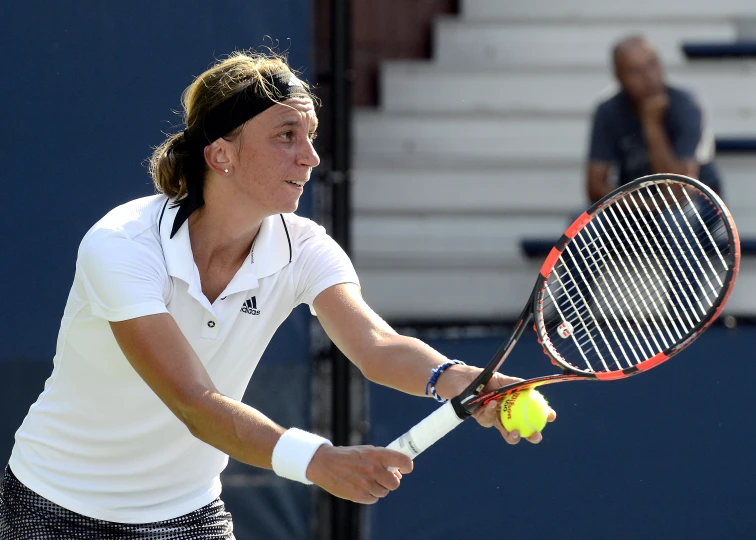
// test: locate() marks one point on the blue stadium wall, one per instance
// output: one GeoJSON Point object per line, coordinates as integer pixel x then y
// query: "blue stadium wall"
{"type": "Point", "coordinates": [662, 455]}
{"type": "Point", "coordinates": [87, 90]}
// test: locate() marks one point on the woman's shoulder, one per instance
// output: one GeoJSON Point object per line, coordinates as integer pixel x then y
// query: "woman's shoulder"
{"type": "Point", "coordinates": [308, 237]}
{"type": "Point", "coordinates": [301, 228]}
{"type": "Point", "coordinates": [134, 220]}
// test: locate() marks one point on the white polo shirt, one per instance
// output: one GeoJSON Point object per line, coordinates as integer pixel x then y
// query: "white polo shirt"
{"type": "Point", "coordinates": [98, 441]}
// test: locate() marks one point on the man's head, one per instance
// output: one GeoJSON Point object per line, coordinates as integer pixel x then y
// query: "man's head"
{"type": "Point", "coordinates": [637, 68]}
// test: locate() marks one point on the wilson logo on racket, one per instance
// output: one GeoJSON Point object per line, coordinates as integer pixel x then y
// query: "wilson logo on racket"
{"type": "Point", "coordinates": [632, 282]}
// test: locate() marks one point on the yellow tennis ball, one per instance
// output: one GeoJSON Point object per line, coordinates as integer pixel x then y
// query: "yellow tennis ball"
{"type": "Point", "coordinates": [526, 411]}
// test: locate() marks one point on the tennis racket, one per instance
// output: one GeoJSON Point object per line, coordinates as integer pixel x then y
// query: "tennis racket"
{"type": "Point", "coordinates": [632, 282]}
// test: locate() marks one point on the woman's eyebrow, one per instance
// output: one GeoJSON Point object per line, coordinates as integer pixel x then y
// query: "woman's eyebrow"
{"type": "Point", "coordinates": [289, 122]}
{"type": "Point", "coordinates": [294, 122]}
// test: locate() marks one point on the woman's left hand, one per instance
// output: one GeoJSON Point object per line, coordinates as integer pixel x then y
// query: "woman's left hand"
{"type": "Point", "coordinates": [488, 415]}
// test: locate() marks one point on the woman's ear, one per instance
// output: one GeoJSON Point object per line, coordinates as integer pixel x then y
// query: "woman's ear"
{"type": "Point", "coordinates": [220, 157]}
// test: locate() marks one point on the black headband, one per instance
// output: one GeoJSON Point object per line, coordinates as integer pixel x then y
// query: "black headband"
{"type": "Point", "coordinates": [244, 105]}
{"type": "Point", "coordinates": [223, 119]}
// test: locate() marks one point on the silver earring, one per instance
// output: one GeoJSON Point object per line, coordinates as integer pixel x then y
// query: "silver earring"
{"type": "Point", "coordinates": [225, 171]}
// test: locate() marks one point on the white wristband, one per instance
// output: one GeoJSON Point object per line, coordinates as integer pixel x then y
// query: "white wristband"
{"type": "Point", "coordinates": [293, 453]}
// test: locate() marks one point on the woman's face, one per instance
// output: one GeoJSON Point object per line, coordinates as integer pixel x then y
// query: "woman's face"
{"type": "Point", "coordinates": [276, 156]}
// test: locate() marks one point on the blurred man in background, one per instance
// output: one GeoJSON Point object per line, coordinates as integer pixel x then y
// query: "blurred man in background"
{"type": "Point", "coordinates": [647, 127]}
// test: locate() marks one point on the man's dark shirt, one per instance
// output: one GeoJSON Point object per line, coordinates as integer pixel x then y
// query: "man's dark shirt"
{"type": "Point", "coordinates": [617, 137]}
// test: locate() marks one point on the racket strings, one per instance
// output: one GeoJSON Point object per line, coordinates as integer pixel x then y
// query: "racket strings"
{"type": "Point", "coordinates": [636, 294]}
{"type": "Point", "coordinates": [591, 246]}
{"type": "Point", "coordinates": [647, 275]}
{"type": "Point", "coordinates": [712, 249]}
{"type": "Point", "coordinates": [663, 250]}
{"type": "Point", "coordinates": [653, 298]}
{"type": "Point", "coordinates": [615, 302]}
{"type": "Point", "coordinates": [617, 305]}
{"type": "Point", "coordinates": [715, 226]}
{"type": "Point", "coordinates": [653, 343]}
{"type": "Point", "coordinates": [638, 278]}
{"type": "Point", "coordinates": [656, 277]}
{"type": "Point", "coordinates": [597, 263]}
{"type": "Point", "coordinates": [675, 237]}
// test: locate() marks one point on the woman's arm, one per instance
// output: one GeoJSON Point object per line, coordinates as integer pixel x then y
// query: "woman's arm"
{"type": "Point", "coordinates": [383, 356]}
{"type": "Point", "coordinates": [158, 351]}
{"type": "Point", "coordinates": [397, 361]}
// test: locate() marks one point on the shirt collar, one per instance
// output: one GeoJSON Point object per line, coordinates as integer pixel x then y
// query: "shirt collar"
{"type": "Point", "coordinates": [271, 250]}
{"type": "Point", "coordinates": [177, 249]}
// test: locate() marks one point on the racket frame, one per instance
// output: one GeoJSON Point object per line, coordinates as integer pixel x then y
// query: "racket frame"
{"type": "Point", "coordinates": [462, 406]}
{"type": "Point", "coordinates": [466, 403]}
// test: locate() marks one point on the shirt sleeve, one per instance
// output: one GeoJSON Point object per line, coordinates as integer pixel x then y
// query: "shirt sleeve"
{"type": "Point", "coordinates": [123, 279]}
{"type": "Point", "coordinates": [602, 147]}
{"type": "Point", "coordinates": [687, 129]}
{"type": "Point", "coordinates": [321, 264]}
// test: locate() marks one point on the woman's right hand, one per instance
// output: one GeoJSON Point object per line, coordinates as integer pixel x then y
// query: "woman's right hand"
{"type": "Point", "coordinates": [358, 473]}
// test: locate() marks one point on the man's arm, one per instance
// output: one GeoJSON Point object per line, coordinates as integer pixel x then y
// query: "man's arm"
{"type": "Point", "coordinates": [602, 153]}
{"type": "Point", "coordinates": [661, 154]}
{"type": "Point", "coordinates": [597, 180]}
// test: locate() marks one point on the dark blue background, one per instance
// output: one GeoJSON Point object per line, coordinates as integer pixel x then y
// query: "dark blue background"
{"type": "Point", "coordinates": [87, 89]}
{"type": "Point", "coordinates": [667, 454]}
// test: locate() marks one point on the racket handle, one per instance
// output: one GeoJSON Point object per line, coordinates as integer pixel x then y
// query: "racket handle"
{"type": "Point", "coordinates": [428, 431]}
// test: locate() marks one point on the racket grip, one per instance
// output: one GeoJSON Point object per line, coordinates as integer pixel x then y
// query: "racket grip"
{"type": "Point", "coordinates": [428, 431]}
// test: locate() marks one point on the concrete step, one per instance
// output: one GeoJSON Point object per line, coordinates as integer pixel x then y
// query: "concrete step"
{"type": "Point", "coordinates": [464, 241]}
{"type": "Point", "coordinates": [460, 42]}
{"type": "Point", "coordinates": [484, 294]}
{"type": "Point", "coordinates": [639, 10]}
{"type": "Point", "coordinates": [727, 89]}
{"type": "Point", "coordinates": [516, 189]}
{"type": "Point", "coordinates": [447, 294]}
{"type": "Point", "coordinates": [416, 241]}
{"type": "Point", "coordinates": [450, 137]}
{"type": "Point", "coordinates": [480, 137]}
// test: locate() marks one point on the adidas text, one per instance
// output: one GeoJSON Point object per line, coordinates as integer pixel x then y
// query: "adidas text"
{"type": "Point", "coordinates": [250, 307]}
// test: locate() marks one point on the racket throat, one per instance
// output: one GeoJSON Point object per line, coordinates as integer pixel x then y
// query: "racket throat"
{"type": "Point", "coordinates": [459, 409]}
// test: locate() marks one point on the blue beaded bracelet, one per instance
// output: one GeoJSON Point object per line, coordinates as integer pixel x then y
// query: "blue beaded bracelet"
{"type": "Point", "coordinates": [430, 388]}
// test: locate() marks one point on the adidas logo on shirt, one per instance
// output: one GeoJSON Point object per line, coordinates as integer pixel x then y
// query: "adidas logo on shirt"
{"type": "Point", "coordinates": [250, 307]}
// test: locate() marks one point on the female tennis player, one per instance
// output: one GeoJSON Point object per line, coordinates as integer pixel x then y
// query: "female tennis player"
{"type": "Point", "coordinates": [174, 300]}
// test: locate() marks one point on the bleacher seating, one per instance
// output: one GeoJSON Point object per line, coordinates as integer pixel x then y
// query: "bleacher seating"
{"type": "Point", "coordinates": [735, 145]}
{"type": "Point", "coordinates": [595, 10]}
{"type": "Point", "coordinates": [742, 49]}
{"type": "Point", "coordinates": [483, 146]}
{"type": "Point", "coordinates": [545, 42]}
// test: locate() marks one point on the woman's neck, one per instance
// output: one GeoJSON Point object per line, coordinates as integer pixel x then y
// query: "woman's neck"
{"type": "Point", "coordinates": [220, 237]}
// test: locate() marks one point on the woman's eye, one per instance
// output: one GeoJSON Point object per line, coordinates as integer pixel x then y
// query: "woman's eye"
{"type": "Point", "coordinates": [286, 135]}
{"type": "Point", "coordinates": [313, 136]}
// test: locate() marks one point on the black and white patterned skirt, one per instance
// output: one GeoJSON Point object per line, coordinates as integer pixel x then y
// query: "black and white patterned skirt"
{"type": "Point", "coordinates": [25, 515]}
